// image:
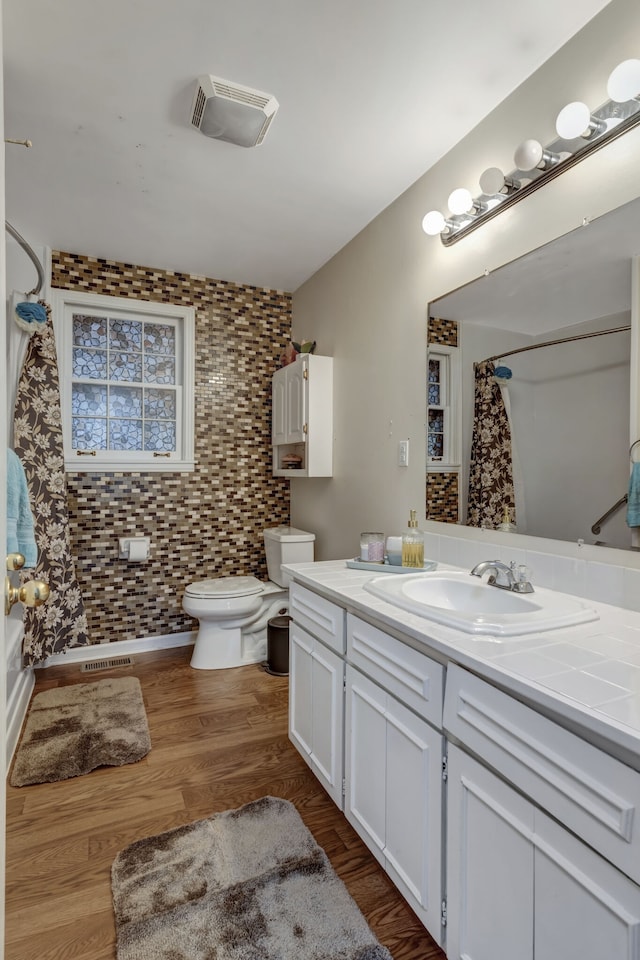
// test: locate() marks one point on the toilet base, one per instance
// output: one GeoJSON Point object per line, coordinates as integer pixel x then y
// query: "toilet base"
{"type": "Point", "coordinates": [239, 642]}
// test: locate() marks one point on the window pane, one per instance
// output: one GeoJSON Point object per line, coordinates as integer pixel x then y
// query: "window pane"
{"type": "Point", "coordinates": [434, 371]}
{"type": "Point", "coordinates": [159, 370]}
{"type": "Point", "coordinates": [125, 434]}
{"type": "Point", "coordinates": [88, 433]}
{"type": "Point", "coordinates": [125, 366]}
{"type": "Point", "coordinates": [434, 394]}
{"type": "Point", "coordinates": [125, 402]}
{"type": "Point", "coordinates": [91, 364]}
{"type": "Point", "coordinates": [89, 400]}
{"type": "Point", "coordinates": [89, 331]}
{"type": "Point", "coordinates": [435, 445]}
{"type": "Point", "coordinates": [159, 338]}
{"type": "Point", "coordinates": [159, 435]}
{"type": "Point", "coordinates": [160, 404]}
{"type": "Point", "coordinates": [125, 335]}
{"type": "Point", "coordinates": [436, 421]}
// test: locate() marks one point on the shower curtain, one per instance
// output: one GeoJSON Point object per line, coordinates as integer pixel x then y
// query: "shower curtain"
{"type": "Point", "coordinates": [491, 468]}
{"type": "Point", "coordinates": [37, 431]}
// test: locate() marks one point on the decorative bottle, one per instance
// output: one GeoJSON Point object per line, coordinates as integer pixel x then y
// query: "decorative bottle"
{"type": "Point", "coordinates": [412, 544]}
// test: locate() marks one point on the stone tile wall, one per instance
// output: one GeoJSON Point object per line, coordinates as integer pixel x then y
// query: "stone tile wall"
{"type": "Point", "coordinates": [202, 524]}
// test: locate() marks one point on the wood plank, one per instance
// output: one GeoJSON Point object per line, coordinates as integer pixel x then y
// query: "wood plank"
{"type": "Point", "coordinates": [219, 740]}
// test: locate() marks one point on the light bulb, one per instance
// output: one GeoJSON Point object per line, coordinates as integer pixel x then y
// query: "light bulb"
{"type": "Point", "coordinates": [624, 81]}
{"type": "Point", "coordinates": [573, 121]}
{"type": "Point", "coordinates": [528, 155]}
{"type": "Point", "coordinates": [433, 223]}
{"type": "Point", "coordinates": [460, 201]}
{"type": "Point", "coordinates": [492, 180]}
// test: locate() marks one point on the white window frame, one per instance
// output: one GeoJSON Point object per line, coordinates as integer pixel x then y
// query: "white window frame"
{"type": "Point", "coordinates": [451, 407]}
{"type": "Point", "coordinates": [64, 304]}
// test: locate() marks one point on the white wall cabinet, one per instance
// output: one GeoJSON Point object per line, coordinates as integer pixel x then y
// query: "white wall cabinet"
{"type": "Point", "coordinates": [302, 417]}
{"type": "Point", "coordinates": [393, 777]}
{"type": "Point", "coordinates": [520, 885]}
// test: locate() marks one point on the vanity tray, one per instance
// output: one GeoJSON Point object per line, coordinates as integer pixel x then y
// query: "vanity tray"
{"type": "Point", "coordinates": [358, 564]}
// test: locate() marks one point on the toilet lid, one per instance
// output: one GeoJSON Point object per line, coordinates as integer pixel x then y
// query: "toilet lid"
{"type": "Point", "coordinates": [225, 587]}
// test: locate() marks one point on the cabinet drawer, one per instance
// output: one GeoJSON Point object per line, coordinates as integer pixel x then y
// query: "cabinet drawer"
{"type": "Point", "coordinates": [596, 796]}
{"type": "Point", "coordinates": [322, 618]}
{"type": "Point", "coordinates": [411, 676]}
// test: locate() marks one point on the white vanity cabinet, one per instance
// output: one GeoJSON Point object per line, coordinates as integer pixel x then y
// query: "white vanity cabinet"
{"type": "Point", "coordinates": [316, 686]}
{"type": "Point", "coordinates": [393, 763]}
{"type": "Point", "coordinates": [520, 883]}
{"type": "Point", "coordinates": [302, 417]}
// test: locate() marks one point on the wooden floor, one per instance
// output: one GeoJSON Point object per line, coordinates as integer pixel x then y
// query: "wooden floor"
{"type": "Point", "coordinates": [219, 739]}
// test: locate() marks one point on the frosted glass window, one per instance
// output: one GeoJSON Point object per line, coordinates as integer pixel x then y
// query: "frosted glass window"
{"type": "Point", "coordinates": [127, 379]}
{"type": "Point", "coordinates": [89, 400]}
{"type": "Point", "coordinates": [443, 421]}
{"type": "Point", "coordinates": [125, 434]}
{"type": "Point", "coordinates": [159, 435]}
{"type": "Point", "coordinates": [90, 363]}
{"type": "Point", "coordinates": [89, 434]}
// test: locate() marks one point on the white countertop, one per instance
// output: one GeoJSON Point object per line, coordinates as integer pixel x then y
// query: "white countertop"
{"type": "Point", "coordinates": [587, 677]}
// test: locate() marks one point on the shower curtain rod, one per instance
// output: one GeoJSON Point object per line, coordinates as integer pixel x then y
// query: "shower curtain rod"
{"type": "Point", "coordinates": [30, 253]}
{"type": "Point", "coordinates": [552, 343]}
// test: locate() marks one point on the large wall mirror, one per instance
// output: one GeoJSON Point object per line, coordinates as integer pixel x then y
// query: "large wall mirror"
{"type": "Point", "coordinates": [569, 403]}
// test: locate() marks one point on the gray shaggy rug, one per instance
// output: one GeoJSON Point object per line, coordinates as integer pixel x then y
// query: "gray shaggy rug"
{"type": "Point", "coordinates": [246, 884]}
{"type": "Point", "coordinates": [72, 730]}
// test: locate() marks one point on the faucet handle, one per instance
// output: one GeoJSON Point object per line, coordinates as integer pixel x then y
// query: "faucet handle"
{"type": "Point", "coordinates": [522, 575]}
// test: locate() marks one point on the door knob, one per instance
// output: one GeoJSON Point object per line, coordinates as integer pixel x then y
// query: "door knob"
{"type": "Point", "coordinates": [33, 593]}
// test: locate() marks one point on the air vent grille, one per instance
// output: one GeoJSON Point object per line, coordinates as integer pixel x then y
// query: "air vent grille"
{"type": "Point", "coordinates": [92, 665]}
{"type": "Point", "coordinates": [240, 94]}
{"type": "Point", "coordinates": [198, 108]}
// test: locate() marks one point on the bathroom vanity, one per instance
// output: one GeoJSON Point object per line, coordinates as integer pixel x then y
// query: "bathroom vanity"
{"type": "Point", "coordinates": [503, 804]}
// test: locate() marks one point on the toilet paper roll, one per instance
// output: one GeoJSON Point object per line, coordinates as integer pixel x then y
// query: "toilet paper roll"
{"type": "Point", "coordinates": [138, 550]}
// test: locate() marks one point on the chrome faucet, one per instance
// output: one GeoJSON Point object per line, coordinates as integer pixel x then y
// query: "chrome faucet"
{"type": "Point", "coordinates": [503, 576]}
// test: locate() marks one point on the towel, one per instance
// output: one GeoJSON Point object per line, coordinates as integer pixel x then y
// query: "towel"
{"type": "Point", "coordinates": [633, 502]}
{"type": "Point", "coordinates": [20, 533]}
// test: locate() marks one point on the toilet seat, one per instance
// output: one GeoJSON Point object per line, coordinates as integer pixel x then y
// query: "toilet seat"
{"type": "Point", "coordinates": [221, 588]}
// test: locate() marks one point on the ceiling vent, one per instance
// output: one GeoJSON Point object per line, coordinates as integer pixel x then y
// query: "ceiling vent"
{"type": "Point", "coordinates": [228, 111]}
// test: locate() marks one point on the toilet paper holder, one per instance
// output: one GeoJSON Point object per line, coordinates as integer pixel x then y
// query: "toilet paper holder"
{"type": "Point", "coordinates": [134, 549]}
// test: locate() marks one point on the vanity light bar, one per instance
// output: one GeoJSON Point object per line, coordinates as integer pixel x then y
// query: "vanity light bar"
{"type": "Point", "coordinates": [581, 133]}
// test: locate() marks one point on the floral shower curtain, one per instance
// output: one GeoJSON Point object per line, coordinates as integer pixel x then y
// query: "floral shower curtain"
{"type": "Point", "coordinates": [61, 621]}
{"type": "Point", "coordinates": [491, 469]}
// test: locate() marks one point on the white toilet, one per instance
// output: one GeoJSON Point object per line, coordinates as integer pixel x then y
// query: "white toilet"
{"type": "Point", "coordinates": [233, 611]}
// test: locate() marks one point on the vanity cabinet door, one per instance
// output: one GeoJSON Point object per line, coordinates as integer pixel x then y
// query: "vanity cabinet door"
{"type": "Point", "coordinates": [520, 885]}
{"type": "Point", "coordinates": [316, 708]}
{"type": "Point", "coordinates": [585, 909]}
{"type": "Point", "coordinates": [490, 864]}
{"type": "Point", "coordinates": [394, 791]}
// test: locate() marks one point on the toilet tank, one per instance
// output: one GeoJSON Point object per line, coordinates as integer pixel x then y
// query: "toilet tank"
{"type": "Point", "coordinates": [286, 545]}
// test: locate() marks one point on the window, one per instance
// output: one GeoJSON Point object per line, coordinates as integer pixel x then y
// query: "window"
{"type": "Point", "coordinates": [126, 379]}
{"type": "Point", "coordinates": [443, 430]}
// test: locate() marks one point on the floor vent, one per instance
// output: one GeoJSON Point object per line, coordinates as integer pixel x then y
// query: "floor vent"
{"type": "Point", "coordinates": [92, 665]}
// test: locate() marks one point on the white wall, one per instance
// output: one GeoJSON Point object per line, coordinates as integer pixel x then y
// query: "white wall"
{"type": "Point", "coordinates": [367, 306]}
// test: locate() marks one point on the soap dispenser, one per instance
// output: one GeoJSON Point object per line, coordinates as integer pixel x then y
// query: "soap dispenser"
{"type": "Point", "coordinates": [506, 524]}
{"type": "Point", "coordinates": [412, 544]}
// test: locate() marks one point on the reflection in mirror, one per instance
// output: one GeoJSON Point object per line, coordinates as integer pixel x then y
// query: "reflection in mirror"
{"type": "Point", "coordinates": [568, 403]}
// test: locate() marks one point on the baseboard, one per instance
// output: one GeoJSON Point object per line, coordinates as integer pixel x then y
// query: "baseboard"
{"type": "Point", "coordinates": [17, 706]}
{"type": "Point", "coordinates": [120, 648]}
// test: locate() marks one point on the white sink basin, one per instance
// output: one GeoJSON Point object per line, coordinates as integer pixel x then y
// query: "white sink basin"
{"type": "Point", "coordinates": [473, 606]}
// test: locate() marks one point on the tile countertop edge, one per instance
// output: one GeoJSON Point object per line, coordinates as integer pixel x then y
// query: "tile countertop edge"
{"type": "Point", "coordinates": [335, 581]}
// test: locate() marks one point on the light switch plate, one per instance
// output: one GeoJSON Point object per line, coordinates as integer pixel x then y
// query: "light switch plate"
{"type": "Point", "coordinates": [403, 453]}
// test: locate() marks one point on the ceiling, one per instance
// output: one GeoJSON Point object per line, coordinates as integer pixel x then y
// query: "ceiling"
{"type": "Point", "coordinates": [371, 92]}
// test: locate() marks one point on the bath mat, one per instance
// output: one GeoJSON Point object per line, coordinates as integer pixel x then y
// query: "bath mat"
{"type": "Point", "coordinates": [72, 730]}
{"type": "Point", "coordinates": [246, 884]}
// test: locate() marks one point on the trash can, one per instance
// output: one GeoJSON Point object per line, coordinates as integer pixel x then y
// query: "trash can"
{"type": "Point", "coordinates": [278, 646]}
